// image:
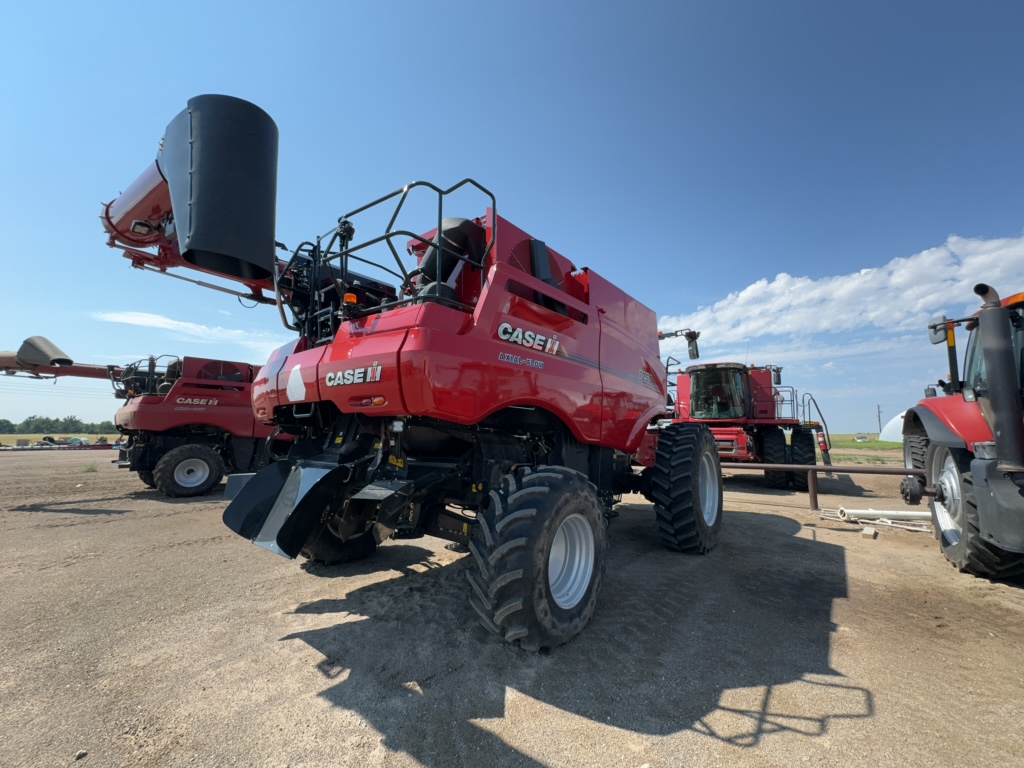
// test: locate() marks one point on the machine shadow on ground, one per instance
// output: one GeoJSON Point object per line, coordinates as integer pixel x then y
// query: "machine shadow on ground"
{"type": "Point", "coordinates": [677, 643]}
{"type": "Point", "coordinates": [838, 485]}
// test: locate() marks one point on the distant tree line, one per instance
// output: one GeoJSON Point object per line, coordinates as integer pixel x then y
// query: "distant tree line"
{"type": "Point", "coordinates": [35, 425]}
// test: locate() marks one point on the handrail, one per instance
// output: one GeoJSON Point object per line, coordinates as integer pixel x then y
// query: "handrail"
{"type": "Point", "coordinates": [813, 470]}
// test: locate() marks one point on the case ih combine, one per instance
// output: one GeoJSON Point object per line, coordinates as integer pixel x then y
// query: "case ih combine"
{"type": "Point", "coordinates": [477, 387]}
{"type": "Point", "coordinates": [186, 420]}
{"type": "Point", "coordinates": [971, 442]}
{"type": "Point", "coordinates": [748, 411]}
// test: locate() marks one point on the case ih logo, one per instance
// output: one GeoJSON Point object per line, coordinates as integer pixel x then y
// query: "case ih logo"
{"type": "Point", "coordinates": [196, 401]}
{"type": "Point", "coordinates": [528, 339]}
{"type": "Point", "coordinates": [354, 376]}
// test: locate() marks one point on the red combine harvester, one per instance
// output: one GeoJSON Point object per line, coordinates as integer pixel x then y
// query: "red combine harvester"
{"type": "Point", "coordinates": [186, 420]}
{"type": "Point", "coordinates": [748, 411]}
{"type": "Point", "coordinates": [477, 387]}
{"type": "Point", "coordinates": [971, 442]}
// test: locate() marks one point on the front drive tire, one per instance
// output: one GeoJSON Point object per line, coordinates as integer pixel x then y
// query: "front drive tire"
{"type": "Point", "coordinates": [956, 521]}
{"type": "Point", "coordinates": [804, 451]}
{"type": "Point", "coordinates": [146, 476]}
{"type": "Point", "coordinates": [773, 450]}
{"type": "Point", "coordinates": [538, 557]}
{"type": "Point", "coordinates": [188, 470]}
{"type": "Point", "coordinates": [686, 483]}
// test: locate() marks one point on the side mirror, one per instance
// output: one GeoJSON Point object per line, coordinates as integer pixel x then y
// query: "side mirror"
{"type": "Point", "coordinates": [937, 330]}
{"type": "Point", "coordinates": [691, 348]}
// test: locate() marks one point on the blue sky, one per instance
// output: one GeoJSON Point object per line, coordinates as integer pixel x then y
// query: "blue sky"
{"type": "Point", "coordinates": [804, 182]}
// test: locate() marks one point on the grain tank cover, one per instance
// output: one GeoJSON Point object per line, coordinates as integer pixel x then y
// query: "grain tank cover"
{"type": "Point", "coordinates": [219, 157]}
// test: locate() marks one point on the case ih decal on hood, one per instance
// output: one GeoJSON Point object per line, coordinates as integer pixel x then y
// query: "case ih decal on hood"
{"type": "Point", "coordinates": [528, 339]}
{"type": "Point", "coordinates": [354, 376]}
{"type": "Point", "coordinates": [197, 401]}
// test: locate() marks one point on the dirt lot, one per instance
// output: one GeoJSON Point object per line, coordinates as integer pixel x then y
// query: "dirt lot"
{"type": "Point", "coordinates": [140, 631]}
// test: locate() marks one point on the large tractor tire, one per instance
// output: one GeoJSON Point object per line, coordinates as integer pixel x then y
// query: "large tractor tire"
{"type": "Point", "coordinates": [914, 449]}
{"type": "Point", "coordinates": [538, 557]}
{"type": "Point", "coordinates": [686, 484]}
{"type": "Point", "coordinates": [328, 549]}
{"type": "Point", "coordinates": [955, 517]}
{"type": "Point", "coordinates": [804, 450]}
{"type": "Point", "coordinates": [773, 451]}
{"type": "Point", "coordinates": [146, 476]}
{"type": "Point", "coordinates": [188, 470]}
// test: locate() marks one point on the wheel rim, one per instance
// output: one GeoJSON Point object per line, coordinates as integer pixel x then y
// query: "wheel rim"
{"type": "Point", "coordinates": [191, 473]}
{"type": "Point", "coordinates": [949, 511]}
{"type": "Point", "coordinates": [708, 479]}
{"type": "Point", "coordinates": [571, 562]}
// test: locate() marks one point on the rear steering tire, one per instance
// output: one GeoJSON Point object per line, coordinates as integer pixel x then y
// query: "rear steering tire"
{"type": "Point", "coordinates": [686, 486]}
{"type": "Point", "coordinates": [146, 476]}
{"type": "Point", "coordinates": [773, 450]}
{"type": "Point", "coordinates": [804, 450]}
{"type": "Point", "coordinates": [188, 470]}
{"type": "Point", "coordinates": [538, 557]}
{"type": "Point", "coordinates": [955, 518]}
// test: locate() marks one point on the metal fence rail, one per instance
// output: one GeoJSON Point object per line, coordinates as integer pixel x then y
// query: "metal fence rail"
{"type": "Point", "coordinates": [812, 474]}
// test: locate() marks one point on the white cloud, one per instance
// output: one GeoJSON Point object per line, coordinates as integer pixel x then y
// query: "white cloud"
{"type": "Point", "coordinates": [900, 296]}
{"type": "Point", "coordinates": [258, 342]}
{"type": "Point", "coordinates": [863, 331]}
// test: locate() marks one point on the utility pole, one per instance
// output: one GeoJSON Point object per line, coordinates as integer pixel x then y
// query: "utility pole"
{"type": "Point", "coordinates": [879, 419]}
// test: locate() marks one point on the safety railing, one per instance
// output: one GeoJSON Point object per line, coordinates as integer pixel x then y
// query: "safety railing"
{"type": "Point", "coordinates": [812, 474]}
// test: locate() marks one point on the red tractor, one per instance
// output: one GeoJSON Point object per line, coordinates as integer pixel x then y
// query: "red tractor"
{"type": "Point", "coordinates": [478, 387]}
{"type": "Point", "coordinates": [186, 420]}
{"type": "Point", "coordinates": [971, 442]}
{"type": "Point", "coordinates": [748, 410]}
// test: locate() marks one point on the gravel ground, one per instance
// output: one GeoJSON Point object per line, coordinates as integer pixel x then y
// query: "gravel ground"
{"type": "Point", "coordinates": [140, 631]}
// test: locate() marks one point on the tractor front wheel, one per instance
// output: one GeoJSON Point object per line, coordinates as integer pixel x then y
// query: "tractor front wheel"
{"type": "Point", "coordinates": [955, 517]}
{"type": "Point", "coordinates": [538, 557]}
{"type": "Point", "coordinates": [686, 485]}
{"type": "Point", "coordinates": [804, 451]}
{"type": "Point", "coordinates": [773, 451]}
{"type": "Point", "coordinates": [188, 470]}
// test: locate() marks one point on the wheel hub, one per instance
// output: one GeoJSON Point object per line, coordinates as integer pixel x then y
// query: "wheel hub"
{"type": "Point", "coordinates": [708, 479]}
{"type": "Point", "coordinates": [571, 561]}
{"type": "Point", "coordinates": [948, 501]}
{"type": "Point", "coordinates": [191, 473]}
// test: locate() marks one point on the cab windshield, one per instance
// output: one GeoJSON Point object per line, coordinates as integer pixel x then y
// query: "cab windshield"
{"type": "Point", "coordinates": [717, 393]}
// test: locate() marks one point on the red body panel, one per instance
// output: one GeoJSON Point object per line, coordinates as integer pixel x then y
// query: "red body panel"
{"type": "Point", "coordinates": [964, 419]}
{"type": "Point", "coordinates": [198, 397]}
{"type": "Point", "coordinates": [596, 367]}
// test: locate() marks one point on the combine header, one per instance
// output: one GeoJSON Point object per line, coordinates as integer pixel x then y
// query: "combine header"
{"type": "Point", "coordinates": [476, 386]}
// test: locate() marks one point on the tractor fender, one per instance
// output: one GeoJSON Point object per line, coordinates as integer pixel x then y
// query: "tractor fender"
{"type": "Point", "coordinates": [922, 420]}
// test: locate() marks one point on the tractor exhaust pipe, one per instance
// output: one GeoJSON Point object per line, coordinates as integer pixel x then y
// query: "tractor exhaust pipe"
{"type": "Point", "coordinates": [1003, 385]}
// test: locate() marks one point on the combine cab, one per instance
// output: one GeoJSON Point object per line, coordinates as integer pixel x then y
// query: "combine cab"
{"type": "Point", "coordinates": [749, 412]}
{"type": "Point", "coordinates": [186, 420]}
{"type": "Point", "coordinates": [460, 379]}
